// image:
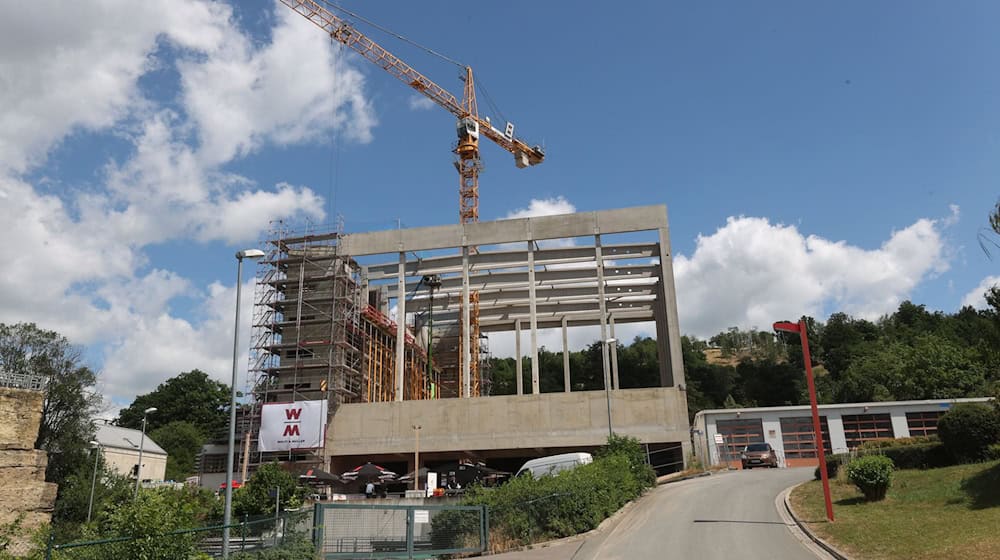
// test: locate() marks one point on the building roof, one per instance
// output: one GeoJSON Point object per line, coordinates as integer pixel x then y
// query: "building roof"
{"type": "Point", "coordinates": [126, 438]}
{"type": "Point", "coordinates": [835, 406]}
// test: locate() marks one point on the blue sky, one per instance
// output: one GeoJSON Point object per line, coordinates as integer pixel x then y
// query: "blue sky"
{"type": "Point", "coordinates": [813, 158]}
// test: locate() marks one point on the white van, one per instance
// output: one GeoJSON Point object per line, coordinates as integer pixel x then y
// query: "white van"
{"type": "Point", "coordinates": [555, 463]}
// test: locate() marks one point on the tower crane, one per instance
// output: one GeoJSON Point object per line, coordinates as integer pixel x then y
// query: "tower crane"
{"type": "Point", "coordinates": [469, 128]}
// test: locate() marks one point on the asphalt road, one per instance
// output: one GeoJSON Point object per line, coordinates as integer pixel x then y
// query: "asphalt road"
{"type": "Point", "coordinates": [723, 516]}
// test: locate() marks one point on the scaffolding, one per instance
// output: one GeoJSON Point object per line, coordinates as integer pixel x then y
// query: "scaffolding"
{"type": "Point", "coordinates": [315, 336]}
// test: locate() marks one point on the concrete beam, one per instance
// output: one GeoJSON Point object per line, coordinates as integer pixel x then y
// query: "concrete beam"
{"type": "Point", "coordinates": [641, 218]}
{"type": "Point", "coordinates": [493, 260]}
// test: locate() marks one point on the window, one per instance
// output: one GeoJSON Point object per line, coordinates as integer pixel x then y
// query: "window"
{"type": "Point", "coordinates": [923, 423]}
{"type": "Point", "coordinates": [738, 434]}
{"type": "Point", "coordinates": [799, 439]}
{"type": "Point", "coordinates": [859, 428]}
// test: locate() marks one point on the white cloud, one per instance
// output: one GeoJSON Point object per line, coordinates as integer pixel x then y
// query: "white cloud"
{"type": "Point", "coordinates": [976, 297]}
{"type": "Point", "coordinates": [751, 273]}
{"type": "Point", "coordinates": [542, 207]}
{"type": "Point", "coordinates": [294, 89]}
{"type": "Point", "coordinates": [75, 255]}
{"type": "Point", "coordinates": [419, 102]}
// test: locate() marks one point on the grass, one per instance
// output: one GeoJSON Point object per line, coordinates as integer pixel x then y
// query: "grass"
{"type": "Point", "coordinates": [951, 512]}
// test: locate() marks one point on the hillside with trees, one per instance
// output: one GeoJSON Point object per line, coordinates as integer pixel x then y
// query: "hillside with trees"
{"type": "Point", "coordinates": [911, 354]}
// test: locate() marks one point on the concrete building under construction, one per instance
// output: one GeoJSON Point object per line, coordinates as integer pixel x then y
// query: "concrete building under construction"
{"type": "Point", "coordinates": [348, 317]}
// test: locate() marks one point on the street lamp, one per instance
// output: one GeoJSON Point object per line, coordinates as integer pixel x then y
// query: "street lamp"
{"type": "Point", "coordinates": [142, 441]}
{"type": "Point", "coordinates": [607, 379]}
{"type": "Point", "coordinates": [96, 446]}
{"type": "Point", "coordinates": [416, 457]}
{"type": "Point", "coordinates": [252, 254]}
{"type": "Point", "coordinates": [800, 328]}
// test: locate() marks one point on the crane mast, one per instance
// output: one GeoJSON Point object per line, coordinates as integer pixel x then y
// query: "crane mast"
{"type": "Point", "coordinates": [469, 128]}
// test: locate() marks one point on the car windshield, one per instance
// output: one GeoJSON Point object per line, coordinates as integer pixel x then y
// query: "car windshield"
{"type": "Point", "coordinates": [757, 447]}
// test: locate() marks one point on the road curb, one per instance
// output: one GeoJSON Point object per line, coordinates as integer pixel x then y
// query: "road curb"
{"type": "Point", "coordinates": [827, 547]}
{"type": "Point", "coordinates": [664, 480]}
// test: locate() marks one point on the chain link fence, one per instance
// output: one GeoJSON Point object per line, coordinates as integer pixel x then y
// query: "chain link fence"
{"type": "Point", "coordinates": [245, 538]}
{"type": "Point", "coordinates": [399, 531]}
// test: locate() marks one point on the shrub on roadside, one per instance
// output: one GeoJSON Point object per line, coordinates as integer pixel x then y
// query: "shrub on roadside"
{"type": "Point", "coordinates": [527, 510]}
{"type": "Point", "coordinates": [833, 463]}
{"type": "Point", "coordinates": [913, 456]}
{"type": "Point", "coordinates": [898, 442]}
{"type": "Point", "coordinates": [968, 430]}
{"type": "Point", "coordinates": [872, 475]}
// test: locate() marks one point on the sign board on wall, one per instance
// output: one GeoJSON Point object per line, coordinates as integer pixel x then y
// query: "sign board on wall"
{"type": "Point", "coordinates": [294, 425]}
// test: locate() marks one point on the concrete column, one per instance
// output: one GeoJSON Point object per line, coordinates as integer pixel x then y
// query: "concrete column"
{"type": "Point", "coordinates": [599, 259]}
{"type": "Point", "coordinates": [517, 356]}
{"type": "Point", "coordinates": [533, 318]}
{"type": "Point", "coordinates": [614, 356]}
{"type": "Point", "coordinates": [566, 382]}
{"type": "Point", "coordinates": [672, 363]}
{"type": "Point", "coordinates": [466, 327]}
{"type": "Point", "coordinates": [400, 325]}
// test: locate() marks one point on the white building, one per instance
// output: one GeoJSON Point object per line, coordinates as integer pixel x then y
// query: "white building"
{"type": "Point", "coordinates": [720, 435]}
{"type": "Point", "coordinates": [120, 447]}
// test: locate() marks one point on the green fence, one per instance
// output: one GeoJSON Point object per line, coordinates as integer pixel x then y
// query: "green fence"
{"type": "Point", "coordinates": [250, 534]}
{"type": "Point", "coordinates": [398, 531]}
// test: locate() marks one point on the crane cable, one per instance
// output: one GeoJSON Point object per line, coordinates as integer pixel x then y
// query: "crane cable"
{"type": "Point", "coordinates": [396, 35]}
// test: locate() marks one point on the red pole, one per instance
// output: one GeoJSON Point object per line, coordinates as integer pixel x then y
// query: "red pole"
{"type": "Point", "coordinates": [816, 425]}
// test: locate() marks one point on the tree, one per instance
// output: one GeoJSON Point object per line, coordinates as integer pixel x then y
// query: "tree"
{"type": "Point", "coordinates": [928, 367]}
{"type": "Point", "coordinates": [182, 441]}
{"type": "Point", "coordinates": [110, 490]}
{"type": "Point", "coordinates": [70, 399]}
{"type": "Point", "coordinates": [154, 520]}
{"type": "Point", "coordinates": [191, 396]}
{"type": "Point", "coordinates": [255, 498]}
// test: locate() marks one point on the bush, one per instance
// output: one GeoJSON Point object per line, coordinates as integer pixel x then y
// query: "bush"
{"type": "Point", "coordinates": [872, 475]}
{"type": "Point", "coordinates": [631, 449]}
{"type": "Point", "coordinates": [993, 452]}
{"type": "Point", "coordinates": [527, 510]}
{"type": "Point", "coordinates": [913, 456]}
{"type": "Point", "coordinates": [898, 442]}
{"type": "Point", "coordinates": [968, 430]}
{"type": "Point", "coordinates": [833, 463]}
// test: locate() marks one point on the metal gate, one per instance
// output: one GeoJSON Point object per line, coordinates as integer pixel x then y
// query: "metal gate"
{"type": "Point", "coordinates": [399, 531]}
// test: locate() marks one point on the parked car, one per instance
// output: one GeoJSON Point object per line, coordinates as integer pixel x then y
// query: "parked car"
{"type": "Point", "coordinates": [759, 455]}
{"type": "Point", "coordinates": [554, 463]}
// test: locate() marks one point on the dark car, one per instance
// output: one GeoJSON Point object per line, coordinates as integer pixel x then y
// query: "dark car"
{"type": "Point", "coordinates": [759, 455]}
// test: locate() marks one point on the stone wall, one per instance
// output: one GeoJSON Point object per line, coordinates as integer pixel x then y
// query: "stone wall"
{"type": "Point", "coordinates": [24, 494]}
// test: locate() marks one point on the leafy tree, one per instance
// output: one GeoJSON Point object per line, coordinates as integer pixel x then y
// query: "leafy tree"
{"type": "Point", "coordinates": [182, 441]}
{"type": "Point", "coordinates": [638, 364]}
{"type": "Point", "coordinates": [150, 519]}
{"type": "Point", "coordinates": [255, 498]}
{"type": "Point", "coordinates": [930, 367]}
{"type": "Point", "coordinates": [191, 396]}
{"type": "Point", "coordinates": [70, 399]}
{"type": "Point", "coordinates": [110, 490]}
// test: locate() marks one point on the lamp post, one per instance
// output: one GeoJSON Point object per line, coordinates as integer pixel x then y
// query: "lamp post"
{"type": "Point", "coordinates": [142, 441]}
{"type": "Point", "coordinates": [416, 457]}
{"type": "Point", "coordinates": [607, 379]}
{"type": "Point", "coordinates": [433, 282]}
{"type": "Point", "coordinates": [252, 254]}
{"type": "Point", "coordinates": [96, 446]}
{"type": "Point", "coordinates": [800, 328]}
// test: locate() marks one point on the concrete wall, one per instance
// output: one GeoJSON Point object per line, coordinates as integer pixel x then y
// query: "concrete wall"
{"type": "Point", "coordinates": [121, 461]}
{"type": "Point", "coordinates": [23, 490]}
{"type": "Point", "coordinates": [653, 415]}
